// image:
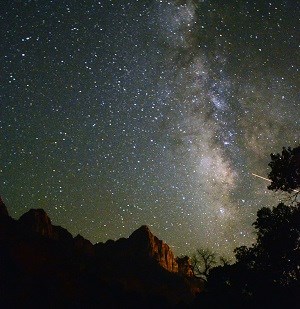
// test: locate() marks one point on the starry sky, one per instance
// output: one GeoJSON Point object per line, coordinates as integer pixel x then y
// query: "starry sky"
{"type": "Point", "coordinates": [115, 114]}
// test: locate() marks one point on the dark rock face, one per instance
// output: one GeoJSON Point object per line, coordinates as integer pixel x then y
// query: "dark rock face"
{"type": "Point", "coordinates": [141, 246]}
{"type": "Point", "coordinates": [185, 266]}
{"type": "Point", "coordinates": [146, 245]}
{"type": "Point", "coordinates": [60, 233]}
{"type": "Point", "coordinates": [7, 224]}
{"type": "Point", "coordinates": [37, 221]}
{"type": "Point", "coordinates": [83, 246]}
{"type": "Point", "coordinates": [3, 209]}
{"type": "Point", "coordinates": [53, 267]}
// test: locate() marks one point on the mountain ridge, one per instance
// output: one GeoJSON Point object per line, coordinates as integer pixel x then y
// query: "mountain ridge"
{"type": "Point", "coordinates": [141, 265]}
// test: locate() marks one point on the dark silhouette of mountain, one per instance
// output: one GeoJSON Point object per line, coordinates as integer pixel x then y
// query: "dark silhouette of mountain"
{"type": "Point", "coordinates": [141, 245]}
{"type": "Point", "coordinates": [3, 209]}
{"type": "Point", "coordinates": [42, 265]}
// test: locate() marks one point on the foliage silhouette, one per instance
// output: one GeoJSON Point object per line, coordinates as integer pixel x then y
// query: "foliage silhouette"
{"type": "Point", "coordinates": [266, 274]}
{"type": "Point", "coordinates": [285, 173]}
{"type": "Point", "coordinates": [276, 251]}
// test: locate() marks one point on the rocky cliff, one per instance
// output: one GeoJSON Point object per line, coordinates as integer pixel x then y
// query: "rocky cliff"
{"type": "Point", "coordinates": [36, 220]}
{"type": "Point", "coordinates": [134, 271]}
{"type": "Point", "coordinates": [185, 266]}
{"type": "Point", "coordinates": [3, 209]}
{"type": "Point", "coordinates": [141, 245]}
{"type": "Point", "coordinates": [83, 246]}
{"type": "Point", "coordinates": [146, 245]}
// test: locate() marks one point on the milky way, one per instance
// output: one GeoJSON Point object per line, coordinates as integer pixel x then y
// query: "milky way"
{"type": "Point", "coordinates": [116, 114]}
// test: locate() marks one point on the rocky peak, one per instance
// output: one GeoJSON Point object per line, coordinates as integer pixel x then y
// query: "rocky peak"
{"type": "Point", "coordinates": [3, 209]}
{"type": "Point", "coordinates": [62, 234]}
{"type": "Point", "coordinates": [83, 246]}
{"type": "Point", "coordinates": [38, 221]}
{"type": "Point", "coordinates": [145, 244]}
{"type": "Point", "coordinates": [141, 233]}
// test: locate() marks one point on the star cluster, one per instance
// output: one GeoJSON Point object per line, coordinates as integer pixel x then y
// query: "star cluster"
{"type": "Point", "coordinates": [116, 114]}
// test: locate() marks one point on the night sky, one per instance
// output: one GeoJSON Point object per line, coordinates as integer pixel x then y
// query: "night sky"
{"type": "Point", "coordinates": [115, 114]}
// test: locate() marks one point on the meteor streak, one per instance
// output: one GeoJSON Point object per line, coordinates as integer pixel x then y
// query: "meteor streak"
{"type": "Point", "coordinates": [268, 180]}
{"type": "Point", "coordinates": [262, 177]}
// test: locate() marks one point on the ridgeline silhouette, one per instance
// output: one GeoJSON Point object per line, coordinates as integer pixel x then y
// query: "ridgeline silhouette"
{"type": "Point", "coordinates": [42, 265]}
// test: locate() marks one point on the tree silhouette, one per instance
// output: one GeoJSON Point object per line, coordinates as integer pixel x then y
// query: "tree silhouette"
{"type": "Point", "coordinates": [285, 173]}
{"type": "Point", "coordinates": [278, 241]}
{"type": "Point", "coordinates": [277, 249]}
{"type": "Point", "coordinates": [266, 274]}
{"type": "Point", "coordinates": [203, 261]}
